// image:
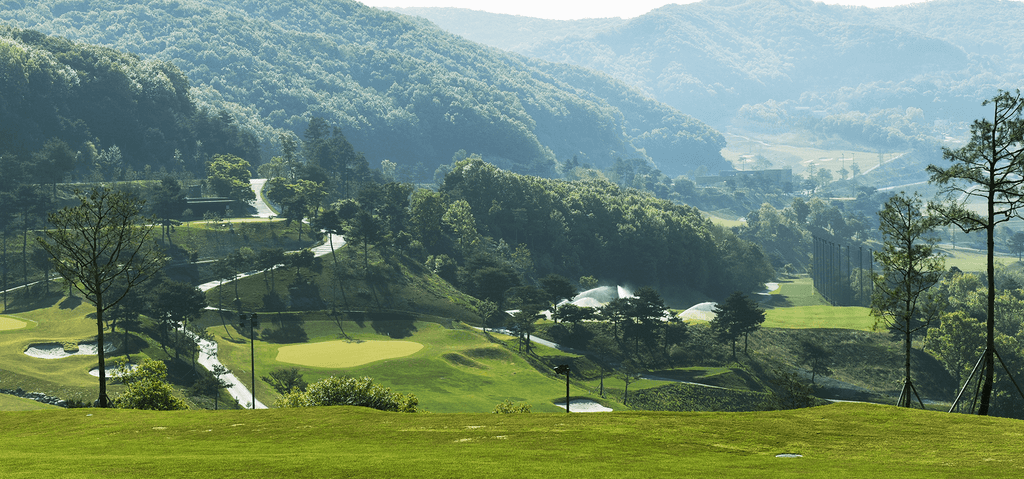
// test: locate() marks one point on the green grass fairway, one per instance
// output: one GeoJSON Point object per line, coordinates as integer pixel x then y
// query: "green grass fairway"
{"type": "Point", "coordinates": [14, 403]}
{"type": "Point", "coordinates": [456, 370]}
{"type": "Point", "coordinates": [846, 317]}
{"type": "Point", "coordinates": [8, 323]}
{"type": "Point", "coordinates": [65, 322]}
{"type": "Point", "coordinates": [841, 440]}
{"type": "Point", "coordinates": [795, 292]}
{"type": "Point", "coordinates": [345, 354]}
{"type": "Point", "coordinates": [972, 261]}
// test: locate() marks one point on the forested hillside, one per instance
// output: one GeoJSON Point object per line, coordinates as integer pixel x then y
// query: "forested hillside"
{"type": "Point", "coordinates": [596, 228]}
{"type": "Point", "coordinates": [398, 88]}
{"type": "Point", "coordinates": [876, 77]}
{"type": "Point", "coordinates": [97, 110]}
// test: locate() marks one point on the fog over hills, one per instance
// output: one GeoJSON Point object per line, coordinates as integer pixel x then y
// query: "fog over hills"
{"type": "Point", "coordinates": [711, 58]}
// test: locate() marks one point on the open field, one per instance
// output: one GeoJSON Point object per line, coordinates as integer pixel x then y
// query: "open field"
{"type": "Point", "coordinates": [797, 291]}
{"type": "Point", "coordinates": [972, 261]}
{"type": "Point", "coordinates": [742, 150]}
{"type": "Point", "coordinates": [848, 440]}
{"type": "Point", "coordinates": [844, 317]}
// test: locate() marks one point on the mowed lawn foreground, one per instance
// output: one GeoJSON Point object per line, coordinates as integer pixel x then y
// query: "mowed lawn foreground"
{"type": "Point", "coordinates": [839, 440]}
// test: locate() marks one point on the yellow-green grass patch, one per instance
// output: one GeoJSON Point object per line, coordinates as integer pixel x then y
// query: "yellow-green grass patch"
{"type": "Point", "coordinates": [14, 403]}
{"type": "Point", "coordinates": [345, 354]}
{"type": "Point", "coordinates": [972, 261]}
{"type": "Point", "coordinates": [8, 323]}
{"type": "Point", "coordinates": [821, 316]}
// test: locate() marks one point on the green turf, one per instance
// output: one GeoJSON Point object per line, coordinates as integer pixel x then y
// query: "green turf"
{"type": "Point", "coordinates": [65, 322]}
{"type": "Point", "coordinates": [14, 403]}
{"type": "Point", "coordinates": [842, 440]}
{"type": "Point", "coordinates": [972, 260]}
{"type": "Point", "coordinates": [457, 370]}
{"type": "Point", "coordinates": [797, 291]}
{"type": "Point", "coordinates": [848, 317]}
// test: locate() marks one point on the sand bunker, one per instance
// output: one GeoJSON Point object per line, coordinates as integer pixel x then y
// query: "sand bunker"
{"type": "Point", "coordinates": [583, 405]}
{"type": "Point", "coordinates": [345, 354]}
{"type": "Point", "coordinates": [56, 350]}
{"type": "Point", "coordinates": [8, 323]}
{"type": "Point", "coordinates": [112, 371]}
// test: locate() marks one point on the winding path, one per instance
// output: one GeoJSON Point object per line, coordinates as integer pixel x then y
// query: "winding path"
{"type": "Point", "coordinates": [208, 349]}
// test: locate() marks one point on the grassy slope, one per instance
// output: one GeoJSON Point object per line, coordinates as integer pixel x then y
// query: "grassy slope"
{"type": "Point", "coordinates": [849, 440]}
{"type": "Point", "coordinates": [14, 403]}
{"type": "Point", "coordinates": [457, 370]}
{"type": "Point", "coordinates": [66, 321]}
{"type": "Point", "coordinates": [398, 284]}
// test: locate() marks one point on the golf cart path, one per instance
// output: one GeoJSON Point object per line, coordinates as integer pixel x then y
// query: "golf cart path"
{"type": "Point", "coordinates": [208, 349]}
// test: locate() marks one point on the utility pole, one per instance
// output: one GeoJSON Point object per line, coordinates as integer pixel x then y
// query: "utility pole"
{"type": "Point", "coordinates": [253, 324]}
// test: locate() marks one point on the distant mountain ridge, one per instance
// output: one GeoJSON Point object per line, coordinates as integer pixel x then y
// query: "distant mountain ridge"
{"type": "Point", "coordinates": [709, 58]}
{"type": "Point", "coordinates": [398, 88]}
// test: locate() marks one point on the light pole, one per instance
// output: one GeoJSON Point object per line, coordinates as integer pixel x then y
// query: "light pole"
{"type": "Point", "coordinates": [564, 369]}
{"type": "Point", "coordinates": [253, 324]}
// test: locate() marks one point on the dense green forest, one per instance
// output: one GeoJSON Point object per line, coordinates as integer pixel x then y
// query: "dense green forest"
{"type": "Point", "coordinates": [73, 108]}
{"type": "Point", "coordinates": [399, 89]}
{"type": "Point", "coordinates": [596, 228]}
{"type": "Point", "coordinates": [828, 69]}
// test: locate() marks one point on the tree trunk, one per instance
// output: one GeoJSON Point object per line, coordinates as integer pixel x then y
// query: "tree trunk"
{"type": "Point", "coordinates": [990, 346]}
{"type": "Point", "coordinates": [99, 345]}
{"type": "Point", "coordinates": [906, 369]}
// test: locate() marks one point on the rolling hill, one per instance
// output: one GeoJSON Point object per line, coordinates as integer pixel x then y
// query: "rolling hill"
{"type": "Point", "coordinates": [398, 88]}
{"type": "Point", "coordinates": [710, 58]}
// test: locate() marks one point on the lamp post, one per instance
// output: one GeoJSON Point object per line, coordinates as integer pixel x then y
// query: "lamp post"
{"type": "Point", "coordinates": [564, 369]}
{"type": "Point", "coordinates": [253, 324]}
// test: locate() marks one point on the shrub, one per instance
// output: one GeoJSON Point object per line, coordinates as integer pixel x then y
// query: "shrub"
{"type": "Point", "coordinates": [286, 380]}
{"type": "Point", "coordinates": [507, 407]}
{"type": "Point", "coordinates": [346, 391]}
{"type": "Point", "coordinates": [147, 388]}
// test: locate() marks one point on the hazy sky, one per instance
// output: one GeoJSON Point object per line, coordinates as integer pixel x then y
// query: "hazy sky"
{"type": "Point", "coordinates": [574, 9]}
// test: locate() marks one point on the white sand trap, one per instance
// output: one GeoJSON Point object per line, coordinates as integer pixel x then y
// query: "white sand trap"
{"type": "Point", "coordinates": [8, 323]}
{"type": "Point", "coordinates": [584, 405]}
{"type": "Point", "coordinates": [112, 371]}
{"type": "Point", "coordinates": [699, 312]}
{"type": "Point", "coordinates": [56, 350]}
{"type": "Point", "coordinates": [344, 354]}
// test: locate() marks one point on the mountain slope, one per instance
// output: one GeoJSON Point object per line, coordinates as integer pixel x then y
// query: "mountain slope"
{"type": "Point", "coordinates": [710, 58]}
{"type": "Point", "coordinates": [398, 88]}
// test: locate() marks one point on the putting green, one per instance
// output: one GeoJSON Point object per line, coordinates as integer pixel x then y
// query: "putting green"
{"type": "Point", "coordinates": [344, 354]}
{"type": "Point", "coordinates": [8, 323]}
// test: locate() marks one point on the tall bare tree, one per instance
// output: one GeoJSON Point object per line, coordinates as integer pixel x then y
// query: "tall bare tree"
{"type": "Point", "coordinates": [988, 168]}
{"type": "Point", "coordinates": [104, 248]}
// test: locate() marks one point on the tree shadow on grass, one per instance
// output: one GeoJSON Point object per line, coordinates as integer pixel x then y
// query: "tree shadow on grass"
{"type": "Point", "coordinates": [288, 330]}
{"type": "Point", "coordinates": [393, 325]}
{"type": "Point", "coordinates": [22, 301]}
